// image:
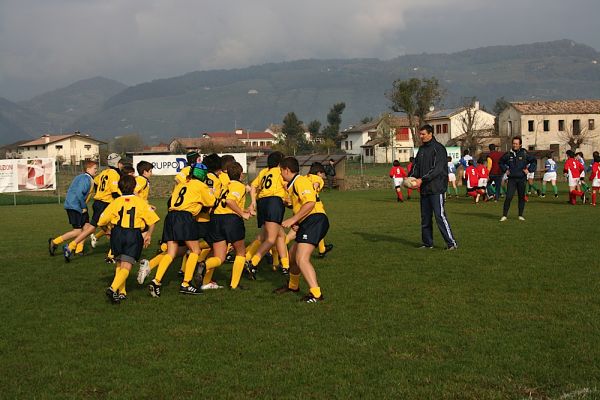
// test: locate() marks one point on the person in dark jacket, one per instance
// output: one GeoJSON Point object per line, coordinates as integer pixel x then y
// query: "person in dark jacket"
{"type": "Point", "coordinates": [496, 172]}
{"type": "Point", "coordinates": [517, 163]}
{"type": "Point", "coordinates": [431, 170]}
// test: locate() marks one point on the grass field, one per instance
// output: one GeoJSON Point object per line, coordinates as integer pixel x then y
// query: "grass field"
{"type": "Point", "coordinates": [513, 314]}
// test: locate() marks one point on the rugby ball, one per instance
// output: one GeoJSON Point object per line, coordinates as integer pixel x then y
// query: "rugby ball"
{"type": "Point", "coordinates": [410, 182]}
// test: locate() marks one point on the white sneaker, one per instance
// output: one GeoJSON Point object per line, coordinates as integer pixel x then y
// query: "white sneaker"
{"type": "Point", "coordinates": [521, 218]}
{"type": "Point", "coordinates": [93, 241]}
{"type": "Point", "coordinates": [503, 219]}
{"type": "Point", "coordinates": [211, 285]}
{"type": "Point", "coordinates": [144, 271]}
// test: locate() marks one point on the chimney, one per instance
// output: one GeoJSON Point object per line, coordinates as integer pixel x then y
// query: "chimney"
{"type": "Point", "coordinates": [46, 138]}
{"type": "Point", "coordinates": [476, 104]}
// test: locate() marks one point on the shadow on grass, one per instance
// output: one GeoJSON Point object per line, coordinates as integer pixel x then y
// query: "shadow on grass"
{"type": "Point", "coordinates": [376, 237]}
{"type": "Point", "coordinates": [493, 216]}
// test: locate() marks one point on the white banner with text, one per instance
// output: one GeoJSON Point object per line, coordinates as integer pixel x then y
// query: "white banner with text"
{"type": "Point", "coordinates": [171, 164]}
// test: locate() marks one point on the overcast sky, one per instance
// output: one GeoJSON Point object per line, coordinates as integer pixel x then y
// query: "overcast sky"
{"type": "Point", "coordinates": [47, 44]}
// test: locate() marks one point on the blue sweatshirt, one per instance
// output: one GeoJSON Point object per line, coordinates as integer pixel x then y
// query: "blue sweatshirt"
{"type": "Point", "coordinates": [79, 192]}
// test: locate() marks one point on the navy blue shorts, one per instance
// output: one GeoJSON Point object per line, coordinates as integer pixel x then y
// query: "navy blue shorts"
{"type": "Point", "coordinates": [98, 207]}
{"type": "Point", "coordinates": [77, 219]}
{"type": "Point", "coordinates": [312, 229]}
{"type": "Point", "coordinates": [126, 244]}
{"type": "Point", "coordinates": [226, 227]}
{"type": "Point", "coordinates": [269, 209]}
{"type": "Point", "coordinates": [179, 226]}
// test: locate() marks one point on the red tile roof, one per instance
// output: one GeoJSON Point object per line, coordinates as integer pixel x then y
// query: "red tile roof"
{"type": "Point", "coordinates": [557, 107]}
{"type": "Point", "coordinates": [242, 136]}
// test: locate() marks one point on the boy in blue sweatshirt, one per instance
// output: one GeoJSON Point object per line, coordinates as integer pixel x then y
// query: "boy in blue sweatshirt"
{"type": "Point", "coordinates": [79, 193]}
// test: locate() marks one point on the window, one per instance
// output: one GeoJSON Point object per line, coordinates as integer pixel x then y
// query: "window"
{"type": "Point", "coordinates": [346, 145]}
{"type": "Point", "coordinates": [445, 128]}
{"type": "Point", "coordinates": [546, 125]}
{"type": "Point", "coordinates": [351, 145]}
{"type": "Point", "coordinates": [576, 127]}
{"type": "Point", "coordinates": [531, 147]}
{"type": "Point", "coordinates": [561, 125]}
{"type": "Point", "coordinates": [87, 146]}
{"type": "Point", "coordinates": [530, 126]}
{"type": "Point", "coordinates": [510, 128]}
{"type": "Point", "coordinates": [58, 147]}
{"type": "Point", "coordinates": [591, 124]}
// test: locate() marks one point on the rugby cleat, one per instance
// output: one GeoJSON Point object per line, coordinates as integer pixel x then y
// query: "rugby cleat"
{"type": "Point", "coordinates": [144, 271]}
{"type": "Point", "coordinates": [285, 271]}
{"type": "Point", "coordinates": [211, 285]}
{"type": "Point", "coordinates": [503, 219]}
{"type": "Point", "coordinates": [309, 298]}
{"type": "Point", "coordinates": [93, 241]}
{"type": "Point", "coordinates": [189, 290]}
{"type": "Point", "coordinates": [230, 257]}
{"type": "Point", "coordinates": [67, 253]}
{"type": "Point", "coordinates": [122, 296]}
{"type": "Point", "coordinates": [154, 288]}
{"type": "Point", "coordinates": [250, 270]}
{"type": "Point", "coordinates": [113, 296]}
{"type": "Point", "coordinates": [328, 248]}
{"type": "Point", "coordinates": [110, 260]}
{"type": "Point", "coordinates": [51, 247]}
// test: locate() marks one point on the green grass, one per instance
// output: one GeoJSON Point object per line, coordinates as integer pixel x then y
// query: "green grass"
{"type": "Point", "coordinates": [514, 313]}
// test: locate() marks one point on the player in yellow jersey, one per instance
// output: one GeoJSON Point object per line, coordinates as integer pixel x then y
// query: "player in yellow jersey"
{"type": "Point", "coordinates": [187, 200]}
{"type": "Point", "coordinates": [128, 215]}
{"type": "Point", "coordinates": [268, 192]}
{"type": "Point", "coordinates": [227, 226]}
{"type": "Point", "coordinates": [78, 195]}
{"type": "Point", "coordinates": [142, 187]}
{"type": "Point", "coordinates": [191, 157]}
{"type": "Point", "coordinates": [107, 189]}
{"type": "Point", "coordinates": [311, 225]}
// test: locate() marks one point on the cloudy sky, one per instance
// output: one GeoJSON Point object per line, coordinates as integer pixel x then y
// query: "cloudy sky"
{"type": "Point", "coordinates": [47, 44]}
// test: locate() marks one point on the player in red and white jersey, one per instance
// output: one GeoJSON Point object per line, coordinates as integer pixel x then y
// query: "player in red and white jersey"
{"type": "Point", "coordinates": [573, 170]}
{"type": "Point", "coordinates": [397, 173]}
{"type": "Point", "coordinates": [483, 173]}
{"type": "Point", "coordinates": [595, 177]}
{"type": "Point", "coordinates": [472, 179]}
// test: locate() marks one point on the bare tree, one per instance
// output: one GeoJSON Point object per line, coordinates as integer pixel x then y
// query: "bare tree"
{"type": "Point", "coordinates": [474, 130]}
{"type": "Point", "coordinates": [575, 137]}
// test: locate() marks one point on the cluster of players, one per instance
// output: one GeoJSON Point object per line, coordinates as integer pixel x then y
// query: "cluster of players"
{"type": "Point", "coordinates": [476, 177]}
{"type": "Point", "coordinates": [204, 224]}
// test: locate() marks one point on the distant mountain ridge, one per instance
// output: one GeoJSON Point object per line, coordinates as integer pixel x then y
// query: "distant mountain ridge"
{"type": "Point", "coordinates": [254, 97]}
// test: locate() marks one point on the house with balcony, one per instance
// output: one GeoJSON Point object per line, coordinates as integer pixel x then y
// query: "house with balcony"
{"type": "Point", "coordinates": [67, 149]}
{"type": "Point", "coordinates": [556, 125]}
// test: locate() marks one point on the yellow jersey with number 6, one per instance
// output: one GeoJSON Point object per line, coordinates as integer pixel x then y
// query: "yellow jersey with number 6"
{"type": "Point", "coordinates": [269, 183]}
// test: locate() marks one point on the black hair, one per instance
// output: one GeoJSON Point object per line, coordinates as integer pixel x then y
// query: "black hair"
{"type": "Point", "coordinates": [570, 153]}
{"type": "Point", "coordinates": [212, 162]}
{"type": "Point", "coordinates": [492, 147]}
{"type": "Point", "coordinates": [517, 138]}
{"type": "Point", "coordinates": [396, 163]}
{"type": "Point", "coordinates": [290, 163]}
{"type": "Point", "coordinates": [127, 169]}
{"type": "Point", "coordinates": [192, 157]}
{"type": "Point", "coordinates": [234, 171]}
{"type": "Point", "coordinates": [411, 159]}
{"type": "Point", "coordinates": [427, 128]}
{"type": "Point", "coordinates": [316, 168]}
{"type": "Point", "coordinates": [127, 184]}
{"type": "Point", "coordinates": [274, 159]}
{"type": "Point", "coordinates": [226, 161]}
{"type": "Point", "coordinates": [144, 166]}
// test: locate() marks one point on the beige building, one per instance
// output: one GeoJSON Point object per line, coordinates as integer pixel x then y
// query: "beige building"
{"type": "Point", "coordinates": [68, 149]}
{"type": "Point", "coordinates": [451, 124]}
{"type": "Point", "coordinates": [550, 125]}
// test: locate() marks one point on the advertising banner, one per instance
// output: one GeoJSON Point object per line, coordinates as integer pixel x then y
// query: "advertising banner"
{"type": "Point", "coordinates": [27, 175]}
{"type": "Point", "coordinates": [171, 164]}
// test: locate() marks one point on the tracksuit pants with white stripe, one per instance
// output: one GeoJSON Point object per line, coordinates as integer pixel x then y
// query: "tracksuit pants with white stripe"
{"type": "Point", "coordinates": [434, 204]}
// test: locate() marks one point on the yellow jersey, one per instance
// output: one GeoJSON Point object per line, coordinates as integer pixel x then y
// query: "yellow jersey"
{"type": "Point", "coordinates": [107, 183]}
{"type": "Point", "coordinates": [191, 196]}
{"type": "Point", "coordinates": [214, 186]}
{"type": "Point", "coordinates": [269, 183]}
{"type": "Point", "coordinates": [236, 191]}
{"type": "Point", "coordinates": [142, 187]}
{"type": "Point", "coordinates": [183, 174]}
{"type": "Point", "coordinates": [301, 191]}
{"type": "Point", "coordinates": [318, 184]}
{"type": "Point", "coordinates": [224, 178]}
{"type": "Point", "coordinates": [128, 211]}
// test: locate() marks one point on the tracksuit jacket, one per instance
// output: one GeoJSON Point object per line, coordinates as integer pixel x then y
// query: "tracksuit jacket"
{"type": "Point", "coordinates": [431, 166]}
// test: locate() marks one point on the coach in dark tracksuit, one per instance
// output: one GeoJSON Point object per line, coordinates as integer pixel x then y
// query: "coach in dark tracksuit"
{"type": "Point", "coordinates": [517, 163]}
{"type": "Point", "coordinates": [431, 170]}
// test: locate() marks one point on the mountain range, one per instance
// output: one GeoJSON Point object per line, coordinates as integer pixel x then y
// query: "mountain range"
{"type": "Point", "coordinates": [254, 97]}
